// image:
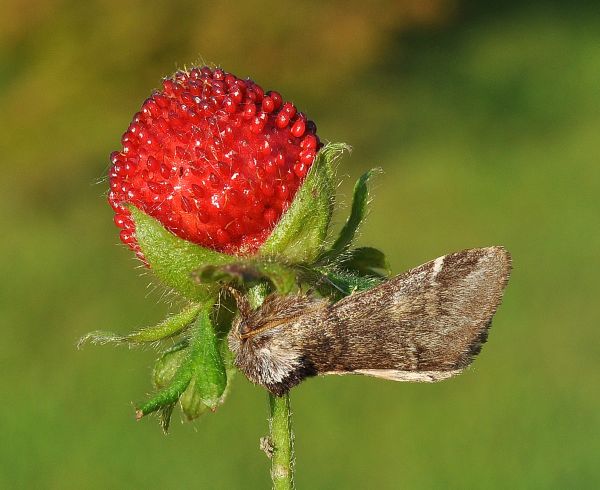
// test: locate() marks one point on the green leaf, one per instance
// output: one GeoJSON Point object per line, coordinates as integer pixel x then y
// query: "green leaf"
{"type": "Point", "coordinates": [172, 259]}
{"type": "Point", "coordinates": [365, 261]}
{"type": "Point", "coordinates": [172, 325]}
{"type": "Point", "coordinates": [300, 234]}
{"type": "Point", "coordinates": [358, 212]}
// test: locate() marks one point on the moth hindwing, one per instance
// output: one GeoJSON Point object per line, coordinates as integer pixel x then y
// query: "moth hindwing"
{"type": "Point", "coordinates": [424, 325]}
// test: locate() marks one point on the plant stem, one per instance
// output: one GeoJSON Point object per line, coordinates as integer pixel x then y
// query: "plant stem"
{"type": "Point", "coordinates": [281, 437]}
{"type": "Point", "coordinates": [282, 441]}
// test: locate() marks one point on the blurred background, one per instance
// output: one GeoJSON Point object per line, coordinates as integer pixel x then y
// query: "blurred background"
{"type": "Point", "coordinates": [485, 117]}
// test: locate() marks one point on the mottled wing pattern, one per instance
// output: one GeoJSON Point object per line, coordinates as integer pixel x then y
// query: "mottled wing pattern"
{"type": "Point", "coordinates": [426, 324]}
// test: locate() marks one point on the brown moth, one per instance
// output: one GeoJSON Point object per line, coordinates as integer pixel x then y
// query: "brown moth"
{"type": "Point", "coordinates": [425, 325]}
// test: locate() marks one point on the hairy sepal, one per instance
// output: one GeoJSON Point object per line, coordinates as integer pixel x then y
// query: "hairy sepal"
{"type": "Point", "coordinates": [169, 327]}
{"type": "Point", "coordinates": [168, 364]}
{"type": "Point", "coordinates": [172, 259]}
{"type": "Point", "coordinates": [246, 273]}
{"type": "Point", "coordinates": [194, 400]}
{"type": "Point", "coordinates": [336, 284]}
{"type": "Point", "coordinates": [301, 233]}
{"type": "Point", "coordinates": [345, 270]}
{"type": "Point", "coordinates": [197, 362]}
{"type": "Point", "coordinates": [358, 212]}
{"type": "Point", "coordinates": [210, 376]}
{"type": "Point", "coordinates": [165, 369]}
{"type": "Point", "coordinates": [365, 261]}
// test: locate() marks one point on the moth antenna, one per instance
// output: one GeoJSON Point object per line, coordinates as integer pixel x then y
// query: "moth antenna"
{"type": "Point", "coordinates": [241, 301]}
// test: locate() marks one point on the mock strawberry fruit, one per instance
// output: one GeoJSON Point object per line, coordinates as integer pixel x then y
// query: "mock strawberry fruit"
{"type": "Point", "coordinates": [214, 158]}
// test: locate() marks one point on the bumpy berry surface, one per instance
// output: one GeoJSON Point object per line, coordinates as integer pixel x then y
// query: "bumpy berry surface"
{"type": "Point", "coordinates": [214, 158]}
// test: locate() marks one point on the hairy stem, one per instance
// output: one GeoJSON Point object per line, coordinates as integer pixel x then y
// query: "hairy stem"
{"type": "Point", "coordinates": [282, 441]}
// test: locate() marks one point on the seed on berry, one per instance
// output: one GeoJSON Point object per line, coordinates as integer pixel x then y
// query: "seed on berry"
{"type": "Point", "coordinates": [298, 128]}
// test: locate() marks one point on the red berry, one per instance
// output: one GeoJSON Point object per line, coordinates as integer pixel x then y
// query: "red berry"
{"type": "Point", "coordinates": [214, 158]}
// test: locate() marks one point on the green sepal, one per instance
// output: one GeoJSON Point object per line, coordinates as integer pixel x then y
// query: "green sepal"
{"type": "Point", "coordinates": [202, 362]}
{"type": "Point", "coordinates": [365, 261]}
{"type": "Point", "coordinates": [257, 294]}
{"type": "Point", "coordinates": [164, 371]}
{"type": "Point", "coordinates": [168, 364]}
{"type": "Point", "coordinates": [210, 376]}
{"type": "Point", "coordinates": [301, 232]}
{"type": "Point", "coordinates": [240, 272]}
{"type": "Point", "coordinates": [173, 259]}
{"type": "Point", "coordinates": [191, 400]}
{"type": "Point", "coordinates": [164, 417]}
{"type": "Point", "coordinates": [170, 394]}
{"type": "Point", "coordinates": [172, 325]}
{"type": "Point", "coordinates": [337, 284]}
{"type": "Point", "coordinates": [360, 202]}
{"type": "Point", "coordinates": [282, 276]}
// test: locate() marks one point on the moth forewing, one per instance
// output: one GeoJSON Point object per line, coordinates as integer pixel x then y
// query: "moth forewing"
{"type": "Point", "coordinates": [428, 323]}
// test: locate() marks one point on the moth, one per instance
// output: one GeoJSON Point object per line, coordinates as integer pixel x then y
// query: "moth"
{"type": "Point", "coordinates": [425, 325]}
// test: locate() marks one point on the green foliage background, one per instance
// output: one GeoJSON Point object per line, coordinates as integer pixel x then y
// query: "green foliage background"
{"type": "Point", "coordinates": [486, 119]}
